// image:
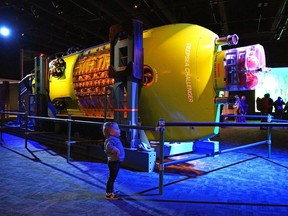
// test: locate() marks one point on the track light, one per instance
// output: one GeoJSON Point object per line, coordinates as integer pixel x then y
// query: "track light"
{"type": "Point", "coordinates": [281, 30]}
{"type": "Point", "coordinates": [58, 7]}
{"type": "Point", "coordinates": [136, 4]}
{"type": "Point", "coordinates": [278, 37]}
{"type": "Point", "coordinates": [34, 12]}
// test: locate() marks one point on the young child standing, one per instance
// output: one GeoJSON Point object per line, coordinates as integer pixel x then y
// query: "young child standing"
{"type": "Point", "coordinates": [113, 147]}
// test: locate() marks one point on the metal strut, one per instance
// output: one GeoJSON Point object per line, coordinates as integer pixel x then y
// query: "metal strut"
{"type": "Point", "coordinates": [126, 65]}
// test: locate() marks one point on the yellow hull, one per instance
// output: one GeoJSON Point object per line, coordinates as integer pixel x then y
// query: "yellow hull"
{"type": "Point", "coordinates": [181, 59]}
{"type": "Point", "coordinates": [183, 70]}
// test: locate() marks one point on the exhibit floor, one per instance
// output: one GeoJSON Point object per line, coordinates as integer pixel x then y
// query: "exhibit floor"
{"type": "Point", "coordinates": [37, 181]}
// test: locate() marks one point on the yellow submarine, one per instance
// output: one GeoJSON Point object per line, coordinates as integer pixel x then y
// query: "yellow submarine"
{"type": "Point", "coordinates": [184, 72]}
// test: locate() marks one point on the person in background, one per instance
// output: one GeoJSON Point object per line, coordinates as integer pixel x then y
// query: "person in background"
{"type": "Point", "coordinates": [243, 108]}
{"type": "Point", "coordinates": [285, 111]}
{"type": "Point", "coordinates": [267, 107]}
{"type": "Point", "coordinates": [237, 107]}
{"type": "Point", "coordinates": [114, 149]}
{"type": "Point", "coordinates": [278, 106]}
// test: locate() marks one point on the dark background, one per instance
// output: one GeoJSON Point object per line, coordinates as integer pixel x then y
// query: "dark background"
{"type": "Point", "coordinates": [52, 27]}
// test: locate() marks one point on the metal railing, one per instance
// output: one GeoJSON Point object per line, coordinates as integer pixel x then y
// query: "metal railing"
{"type": "Point", "coordinates": [69, 122]}
{"type": "Point", "coordinates": [162, 125]}
{"type": "Point", "coordinates": [22, 86]}
{"type": "Point", "coordinates": [160, 128]}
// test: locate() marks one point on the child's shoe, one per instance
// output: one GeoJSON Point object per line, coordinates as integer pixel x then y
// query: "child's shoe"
{"type": "Point", "coordinates": [112, 196]}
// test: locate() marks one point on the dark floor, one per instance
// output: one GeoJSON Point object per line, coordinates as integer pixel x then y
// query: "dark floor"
{"type": "Point", "coordinates": [38, 181]}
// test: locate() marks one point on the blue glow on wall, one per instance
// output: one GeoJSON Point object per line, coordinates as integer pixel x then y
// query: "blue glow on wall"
{"type": "Point", "coordinates": [274, 82]}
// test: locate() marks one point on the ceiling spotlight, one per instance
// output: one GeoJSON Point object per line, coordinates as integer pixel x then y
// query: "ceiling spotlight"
{"type": "Point", "coordinates": [137, 4]}
{"type": "Point", "coordinates": [55, 4]}
{"type": "Point", "coordinates": [4, 31]}
{"type": "Point", "coordinates": [34, 12]}
{"type": "Point", "coordinates": [58, 7]}
{"type": "Point", "coordinates": [59, 11]}
{"type": "Point", "coordinates": [280, 31]}
{"type": "Point", "coordinates": [279, 34]}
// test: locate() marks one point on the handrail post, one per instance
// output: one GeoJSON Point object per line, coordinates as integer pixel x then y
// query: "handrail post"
{"type": "Point", "coordinates": [161, 125]}
{"type": "Point", "coordinates": [269, 141]}
{"type": "Point", "coordinates": [105, 103]}
{"type": "Point", "coordinates": [1, 126]}
{"type": "Point", "coordinates": [69, 137]}
{"type": "Point", "coordinates": [26, 129]}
